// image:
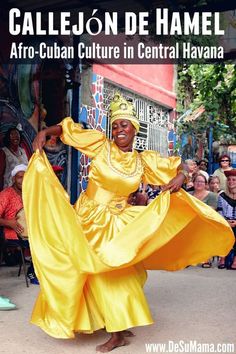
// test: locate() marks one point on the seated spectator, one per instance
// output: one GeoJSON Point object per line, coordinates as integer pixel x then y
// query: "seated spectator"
{"type": "Point", "coordinates": [227, 208]}
{"type": "Point", "coordinates": [11, 155]}
{"type": "Point", "coordinates": [202, 193]}
{"type": "Point", "coordinates": [10, 204]}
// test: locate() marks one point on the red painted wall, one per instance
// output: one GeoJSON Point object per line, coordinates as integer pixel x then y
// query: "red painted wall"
{"type": "Point", "coordinates": [153, 81]}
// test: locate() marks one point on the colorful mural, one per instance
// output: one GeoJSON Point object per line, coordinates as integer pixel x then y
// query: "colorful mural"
{"type": "Point", "coordinates": [96, 117]}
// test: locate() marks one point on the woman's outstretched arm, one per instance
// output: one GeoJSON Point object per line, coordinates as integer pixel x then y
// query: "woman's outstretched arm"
{"type": "Point", "coordinates": [176, 183]}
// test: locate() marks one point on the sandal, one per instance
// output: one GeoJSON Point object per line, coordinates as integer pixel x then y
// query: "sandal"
{"type": "Point", "coordinates": [206, 265]}
{"type": "Point", "coordinates": [232, 267]}
{"type": "Point", "coordinates": [221, 266]}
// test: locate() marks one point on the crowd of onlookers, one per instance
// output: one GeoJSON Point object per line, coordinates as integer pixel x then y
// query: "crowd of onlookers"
{"type": "Point", "coordinates": [13, 164]}
{"type": "Point", "coordinates": [217, 190]}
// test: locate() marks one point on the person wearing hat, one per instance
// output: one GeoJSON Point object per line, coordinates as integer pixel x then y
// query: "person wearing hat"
{"type": "Point", "coordinates": [11, 155]}
{"type": "Point", "coordinates": [227, 208]}
{"type": "Point", "coordinates": [91, 260]}
{"type": "Point", "coordinates": [225, 165]}
{"type": "Point", "coordinates": [10, 204]}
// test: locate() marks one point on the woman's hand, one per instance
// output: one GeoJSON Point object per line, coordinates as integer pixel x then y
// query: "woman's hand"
{"type": "Point", "coordinates": [175, 184]}
{"type": "Point", "coordinates": [39, 141]}
{"type": "Point", "coordinates": [13, 224]}
{"type": "Point", "coordinates": [138, 198]}
{"type": "Point", "coordinates": [232, 223]}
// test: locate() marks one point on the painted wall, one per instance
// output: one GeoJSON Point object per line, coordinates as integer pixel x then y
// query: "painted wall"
{"type": "Point", "coordinates": [153, 81]}
{"type": "Point", "coordinates": [96, 117]}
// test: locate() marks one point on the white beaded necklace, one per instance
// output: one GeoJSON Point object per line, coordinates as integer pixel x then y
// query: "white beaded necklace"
{"type": "Point", "coordinates": [138, 165]}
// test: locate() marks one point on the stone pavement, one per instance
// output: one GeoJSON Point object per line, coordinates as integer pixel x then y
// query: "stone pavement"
{"type": "Point", "coordinates": [191, 305]}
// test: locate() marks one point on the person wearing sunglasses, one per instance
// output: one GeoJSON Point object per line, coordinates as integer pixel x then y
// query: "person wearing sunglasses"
{"type": "Point", "coordinates": [225, 165]}
{"type": "Point", "coordinates": [202, 167]}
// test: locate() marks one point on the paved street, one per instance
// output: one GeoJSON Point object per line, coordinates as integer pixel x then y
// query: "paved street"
{"type": "Point", "coordinates": [191, 305]}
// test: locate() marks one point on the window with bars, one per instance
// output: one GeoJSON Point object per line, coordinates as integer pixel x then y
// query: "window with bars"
{"type": "Point", "coordinates": [154, 118]}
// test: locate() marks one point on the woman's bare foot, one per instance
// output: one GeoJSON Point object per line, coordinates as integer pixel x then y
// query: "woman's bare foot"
{"type": "Point", "coordinates": [116, 340]}
{"type": "Point", "coordinates": [127, 333]}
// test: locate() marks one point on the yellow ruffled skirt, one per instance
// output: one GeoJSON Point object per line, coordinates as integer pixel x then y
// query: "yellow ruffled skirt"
{"type": "Point", "coordinates": [91, 262]}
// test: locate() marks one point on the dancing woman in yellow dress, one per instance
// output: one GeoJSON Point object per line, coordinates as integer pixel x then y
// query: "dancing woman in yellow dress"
{"type": "Point", "coordinates": [91, 259]}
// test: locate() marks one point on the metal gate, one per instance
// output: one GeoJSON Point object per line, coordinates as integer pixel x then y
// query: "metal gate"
{"type": "Point", "coordinates": [154, 118]}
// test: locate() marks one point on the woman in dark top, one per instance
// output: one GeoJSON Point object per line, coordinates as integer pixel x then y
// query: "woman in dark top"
{"type": "Point", "coordinates": [227, 208]}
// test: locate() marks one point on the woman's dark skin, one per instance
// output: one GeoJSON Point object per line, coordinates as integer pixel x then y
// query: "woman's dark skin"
{"type": "Point", "coordinates": [123, 133]}
{"type": "Point", "coordinates": [40, 139]}
{"type": "Point", "coordinates": [13, 223]}
{"type": "Point", "coordinates": [13, 145]}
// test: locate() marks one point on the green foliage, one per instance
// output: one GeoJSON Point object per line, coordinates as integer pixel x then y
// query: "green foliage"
{"type": "Point", "coordinates": [214, 87]}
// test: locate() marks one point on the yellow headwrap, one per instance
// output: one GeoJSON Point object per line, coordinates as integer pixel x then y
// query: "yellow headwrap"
{"type": "Point", "coordinates": [120, 108]}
